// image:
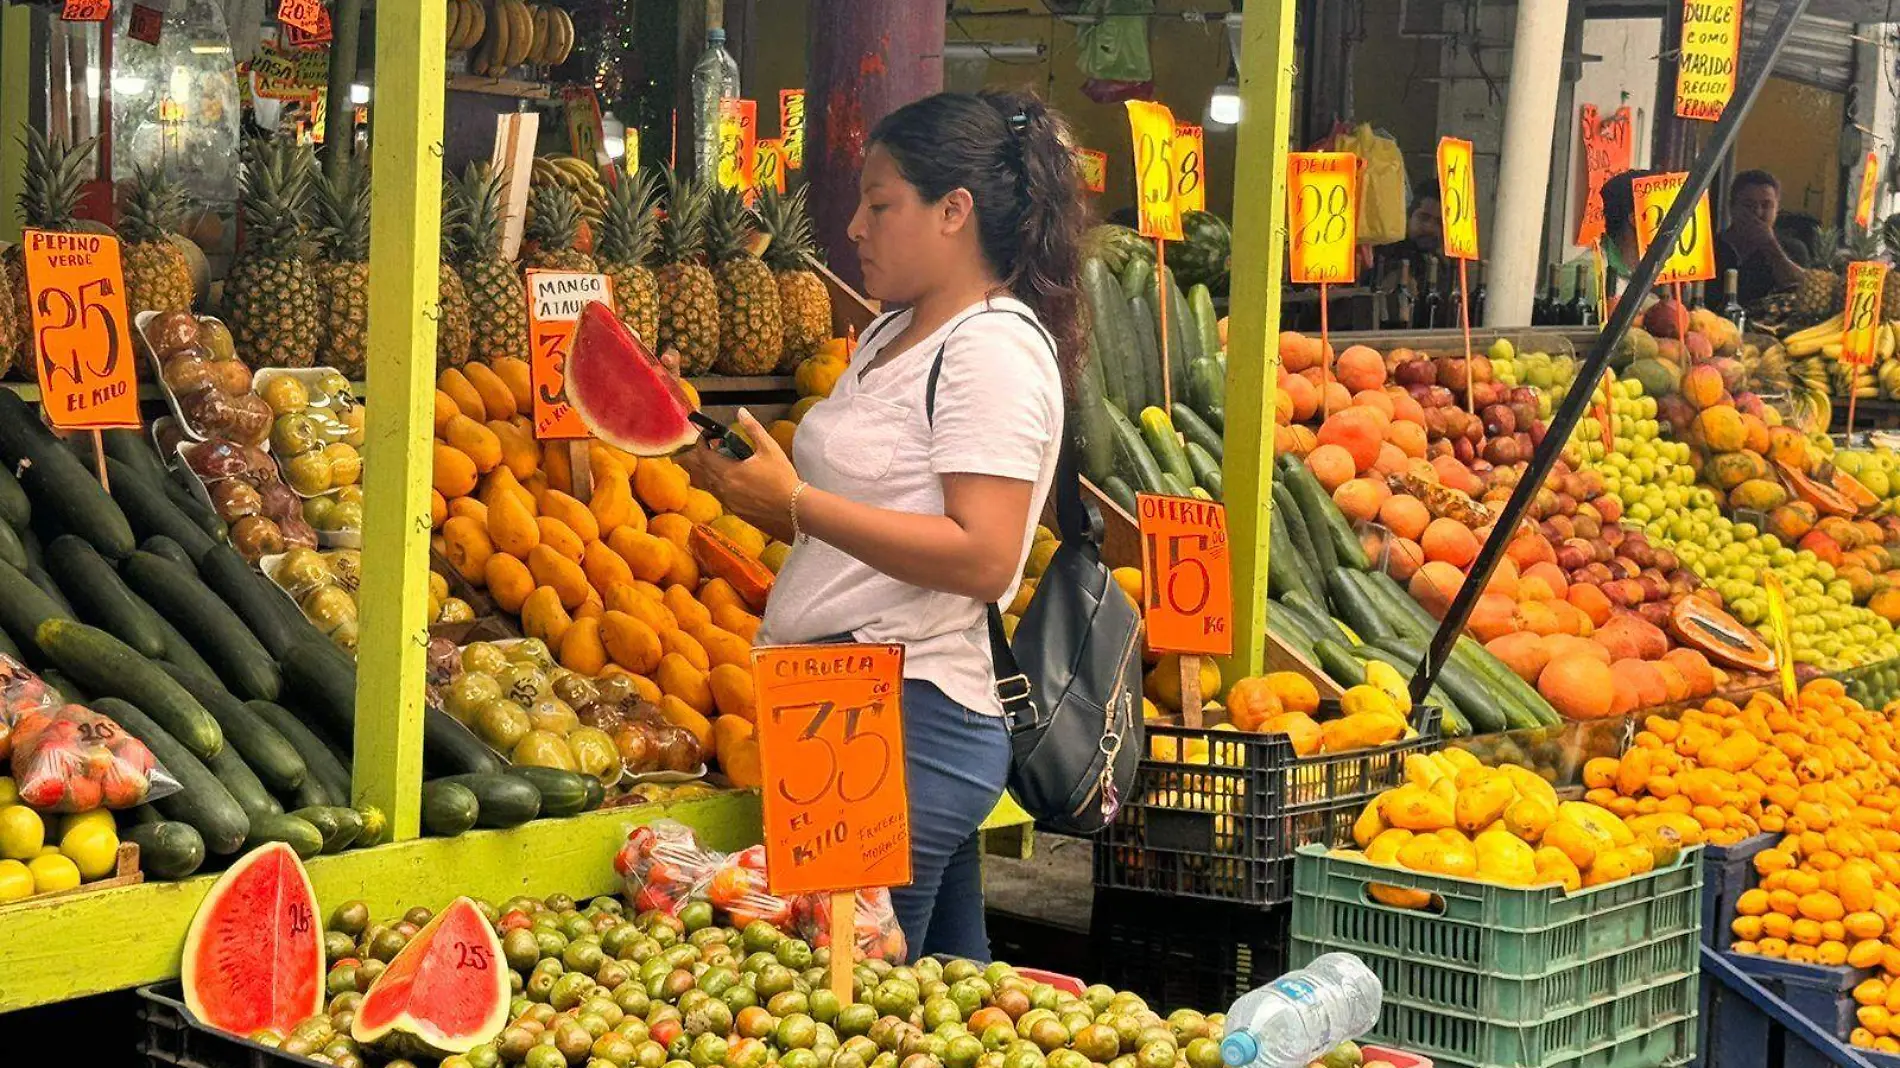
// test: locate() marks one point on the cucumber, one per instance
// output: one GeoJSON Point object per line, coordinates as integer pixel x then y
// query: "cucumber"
{"type": "Point", "coordinates": [1173, 486]}
{"type": "Point", "coordinates": [1451, 718]}
{"type": "Point", "coordinates": [1302, 539]}
{"type": "Point", "coordinates": [1132, 458]}
{"type": "Point", "coordinates": [1206, 319]}
{"type": "Point", "coordinates": [1118, 490]}
{"type": "Point", "coordinates": [179, 653]}
{"type": "Point", "coordinates": [267, 751]}
{"type": "Point", "coordinates": [246, 667]}
{"type": "Point", "coordinates": [448, 808]}
{"type": "Point", "coordinates": [1338, 663]}
{"type": "Point", "coordinates": [1506, 682]}
{"type": "Point", "coordinates": [160, 545]}
{"type": "Point", "coordinates": [1353, 605]}
{"type": "Point", "coordinates": [202, 799]}
{"type": "Point", "coordinates": [1408, 615]}
{"type": "Point", "coordinates": [1487, 710]}
{"type": "Point", "coordinates": [1137, 278]}
{"type": "Point", "coordinates": [168, 849]}
{"type": "Point", "coordinates": [1283, 576]}
{"type": "Point", "coordinates": [24, 606]}
{"type": "Point", "coordinates": [58, 483]}
{"type": "Point", "coordinates": [50, 588]}
{"type": "Point", "coordinates": [321, 680]}
{"type": "Point", "coordinates": [1183, 341]}
{"type": "Point", "coordinates": [596, 794]}
{"type": "Point", "coordinates": [35, 552]}
{"type": "Point", "coordinates": [1206, 385]}
{"type": "Point", "coordinates": [1206, 469]}
{"type": "Point", "coordinates": [1331, 536]}
{"type": "Point", "coordinates": [299, 834]}
{"type": "Point", "coordinates": [106, 666]}
{"type": "Point", "coordinates": [327, 777]}
{"type": "Point", "coordinates": [310, 793]}
{"type": "Point", "coordinates": [152, 513]}
{"type": "Point", "coordinates": [251, 596]}
{"type": "Point", "coordinates": [1158, 433]}
{"type": "Point", "coordinates": [12, 549]}
{"type": "Point", "coordinates": [133, 449]}
{"type": "Point", "coordinates": [101, 597]}
{"type": "Point", "coordinates": [1290, 630]}
{"type": "Point", "coordinates": [1103, 295]}
{"type": "Point", "coordinates": [563, 793]}
{"type": "Point", "coordinates": [1148, 348]}
{"type": "Point", "coordinates": [1313, 610]}
{"type": "Point", "coordinates": [1307, 501]}
{"type": "Point", "coordinates": [338, 825]}
{"type": "Point", "coordinates": [505, 800]}
{"type": "Point", "coordinates": [1196, 430]}
{"type": "Point", "coordinates": [9, 649]}
{"type": "Point", "coordinates": [194, 509]}
{"type": "Point", "coordinates": [16, 510]}
{"type": "Point", "coordinates": [1094, 438]}
{"type": "Point", "coordinates": [243, 784]}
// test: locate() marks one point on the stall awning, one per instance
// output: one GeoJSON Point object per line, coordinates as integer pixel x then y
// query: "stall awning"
{"type": "Point", "coordinates": [1820, 52]}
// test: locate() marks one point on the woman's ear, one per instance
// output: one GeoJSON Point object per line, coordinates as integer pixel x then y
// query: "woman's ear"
{"type": "Point", "coordinates": [956, 210]}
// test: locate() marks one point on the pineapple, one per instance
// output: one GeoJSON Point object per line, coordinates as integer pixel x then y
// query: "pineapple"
{"type": "Point", "coordinates": [453, 331]}
{"type": "Point", "coordinates": [55, 177]}
{"type": "Point", "coordinates": [751, 335]}
{"type": "Point", "coordinates": [157, 277]}
{"type": "Point", "coordinates": [554, 224]}
{"type": "Point", "coordinates": [341, 270]}
{"type": "Point", "coordinates": [271, 298]}
{"type": "Point", "coordinates": [804, 302]}
{"type": "Point", "coordinates": [689, 297]}
{"type": "Point", "coordinates": [626, 236]}
{"type": "Point", "coordinates": [498, 306]}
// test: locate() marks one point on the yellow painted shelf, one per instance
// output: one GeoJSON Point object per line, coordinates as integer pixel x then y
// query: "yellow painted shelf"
{"type": "Point", "coordinates": [91, 943]}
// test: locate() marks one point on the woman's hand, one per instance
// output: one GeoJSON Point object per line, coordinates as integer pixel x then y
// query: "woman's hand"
{"type": "Point", "coordinates": [757, 490]}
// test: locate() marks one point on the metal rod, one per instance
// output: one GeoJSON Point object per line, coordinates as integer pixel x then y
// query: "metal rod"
{"type": "Point", "coordinates": [1564, 420]}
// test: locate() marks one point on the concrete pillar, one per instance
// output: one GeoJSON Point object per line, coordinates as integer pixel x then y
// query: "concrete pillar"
{"type": "Point", "coordinates": [1530, 131]}
{"type": "Point", "coordinates": [867, 59]}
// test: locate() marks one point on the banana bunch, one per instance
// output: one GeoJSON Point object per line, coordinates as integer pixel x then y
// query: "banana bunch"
{"type": "Point", "coordinates": [1815, 339]}
{"type": "Point", "coordinates": [577, 176]}
{"type": "Point", "coordinates": [509, 33]}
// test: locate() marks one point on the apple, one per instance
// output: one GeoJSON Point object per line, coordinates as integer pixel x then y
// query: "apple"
{"type": "Point", "coordinates": [1452, 372]}
{"type": "Point", "coordinates": [1499, 419]}
{"type": "Point", "coordinates": [1464, 450]}
{"type": "Point", "coordinates": [1416, 372]}
{"type": "Point", "coordinates": [1572, 556]}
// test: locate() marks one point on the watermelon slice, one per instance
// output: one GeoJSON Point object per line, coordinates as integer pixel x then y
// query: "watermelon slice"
{"type": "Point", "coordinates": [623, 395]}
{"type": "Point", "coordinates": [448, 986]}
{"type": "Point", "coordinates": [254, 952]}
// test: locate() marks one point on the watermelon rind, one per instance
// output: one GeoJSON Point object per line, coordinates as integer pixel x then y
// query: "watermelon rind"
{"type": "Point", "coordinates": [263, 900]}
{"type": "Point", "coordinates": [623, 395]}
{"type": "Point", "coordinates": [473, 966]}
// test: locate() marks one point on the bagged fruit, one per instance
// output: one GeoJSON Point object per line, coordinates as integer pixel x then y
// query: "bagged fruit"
{"type": "Point", "coordinates": [738, 888]}
{"type": "Point", "coordinates": [663, 866]}
{"type": "Point", "coordinates": [68, 758]}
{"type": "Point", "coordinates": [878, 935]}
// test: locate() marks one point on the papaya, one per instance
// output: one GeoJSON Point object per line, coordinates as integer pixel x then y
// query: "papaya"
{"type": "Point", "coordinates": [1505, 858]}
{"type": "Point", "coordinates": [474, 441]}
{"type": "Point", "coordinates": [1439, 854]}
{"type": "Point", "coordinates": [1415, 808]}
{"type": "Point", "coordinates": [1555, 866]}
{"type": "Point", "coordinates": [551, 569]}
{"type": "Point", "coordinates": [1482, 803]}
{"type": "Point", "coordinates": [1384, 850]}
{"type": "Point", "coordinates": [1529, 816]}
{"type": "Point", "coordinates": [543, 616]}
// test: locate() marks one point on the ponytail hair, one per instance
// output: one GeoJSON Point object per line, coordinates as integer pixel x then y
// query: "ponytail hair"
{"type": "Point", "coordinates": [1013, 156]}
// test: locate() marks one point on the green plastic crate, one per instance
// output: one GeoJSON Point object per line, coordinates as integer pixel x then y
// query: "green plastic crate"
{"type": "Point", "coordinates": [1644, 1030]}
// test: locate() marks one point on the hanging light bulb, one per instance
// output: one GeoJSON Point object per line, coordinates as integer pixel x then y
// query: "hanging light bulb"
{"type": "Point", "coordinates": [613, 135]}
{"type": "Point", "coordinates": [1223, 108]}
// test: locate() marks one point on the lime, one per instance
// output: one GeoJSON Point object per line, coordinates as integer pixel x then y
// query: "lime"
{"type": "Point", "coordinates": [53, 873]}
{"type": "Point", "coordinates": [94, 847]}
{"type": "Point", "coordinates": [9, 793]}
{"type": "Point", "coordinates": [696, 915]}
{"type": "Point", "coordinates": [22, 833]}
{"type": "Point", "coordinates": [16, 881]}
{"type": "Point", "coordinates": [1203, 1052]}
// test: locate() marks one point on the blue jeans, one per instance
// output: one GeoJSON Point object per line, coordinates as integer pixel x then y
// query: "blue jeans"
{"type": "Point", "coordinates": [956, 763]}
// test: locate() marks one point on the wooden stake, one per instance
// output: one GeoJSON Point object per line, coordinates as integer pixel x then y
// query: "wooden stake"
{"type": "Point", "coordinates": [844, 942]}
{"type": "Point", "coordinates": [1464, 320]}
{"type": "Point", "coordinates": [580, 469]}
{"type": "Point", "coordinates": [1853, 395]}
{"type": "Point", "coordinates": [1325, 358]}
{"type": "Point", "coordinates": [99, 456]}
{"type": "Point", "coordinates": [1682, 322]}
{"type": "Point", "coordinates": [1161, 319]}
{"type": "Point", "coordinates": [1603, 285]}
{"type": "Point", "coordinates": [1191, 696]}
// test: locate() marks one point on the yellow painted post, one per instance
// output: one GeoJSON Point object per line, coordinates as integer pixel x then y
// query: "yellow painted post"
{"type": "Point", "coordinates": [16, 74]}
{"type": "Point", "coordinates": [405, 225]}
{"type": "Point", "coordinates": [1253, 348]}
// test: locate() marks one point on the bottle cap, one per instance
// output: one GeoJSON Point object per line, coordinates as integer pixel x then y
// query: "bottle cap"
{"type": "Point", "coordinates": [716, 36]}
{"type": "Point", "coordinates": [1238, 1049]}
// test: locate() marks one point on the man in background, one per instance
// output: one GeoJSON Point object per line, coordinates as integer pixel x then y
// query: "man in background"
{"type": "Point", "coordinates": [1764, 261]}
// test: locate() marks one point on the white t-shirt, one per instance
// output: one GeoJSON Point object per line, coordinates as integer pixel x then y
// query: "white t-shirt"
{"type": "Point", "coordinates": [998, 412]}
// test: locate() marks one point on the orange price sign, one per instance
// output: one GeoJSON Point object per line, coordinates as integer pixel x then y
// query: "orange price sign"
{"type": "Point", "coordinates": [738, 143]}
{"type": "Point", "coordinates": [1460, 189]}
{"type": "Point", "coordinates": [770, 172]}
{"type": "Point", "coordinates": [86, 11]}
{"type": "Point", "coordinates": [81, 336]}
{"type": "Point", "coordinates": [1322, 203]}
{"type": "Point", "coordinates": [1185, 568]}
{"type": "Point", "coordinates": [1151, 125]}
{"type": "Point", "coordinates": [306, 15]}
{"type": "Point", "coordinates": [1869, 185]}
{"type": "Point", "coordinates": [555, 300]}
{"type": "Point", "coordinates": [585, 135]}
{"type": "Point", "coordinates": [1606, 151]}
{"type": "Point", "coordinates": [1860, 324]}
{"type": "Point", "coordinates": [1711, 50]}
{"type": "Point", "coordinates": [1093, 168]}
{"type": "Point", "coordinates": [791, 127]}
{"type": "Point", "coordinates": [1693, 258]}
{"type": "Point", "coordinates": [1190, 167]}
{"type": "Point", "coordinates": [831, 756]}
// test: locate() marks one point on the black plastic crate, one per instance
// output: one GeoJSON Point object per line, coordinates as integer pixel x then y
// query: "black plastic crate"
{"type": "Point", "coordinates": [1189, 954]}
{"type": "Point", "coordinates": [1219, 813]}
{"type": "Point", "coordinates": [173, 1037]}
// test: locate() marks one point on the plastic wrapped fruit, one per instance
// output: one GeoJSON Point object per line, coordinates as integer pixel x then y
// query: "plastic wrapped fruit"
{"type": "Point", "coordinates": [544, 749]}
{"type": "Point", "coordinates": [208, 412]}
{"type": "Point", "coordinates": [502, 724]}
{"type": "Point", "coordinates": [595, 754]}
{"type": "Point", "coordinates": [348, 565]}
{"type": "Point", "coordinates": [329, 607]}
{"type": "Point", "coordinates": [189, 372]}
{"type": "Point", "coordinates": [677, 749]}
{"type": "Point", "coordinates": [234, 377]}
{"type": "Point", "coordinates": [233, 499]}
{"type": "Point", "coordinates": [172, 331]}
{"type": "Point", "coordinates": [576, 689]}
{"type": "Point", "coordinates": [483, 658]}
{"type": "Point", "coordinates": [292, 435]}
{"type": "Point", "coordinates": [302, 570]}
{"type": "Point", "coordinates": [285, 394]}
{"type": "Point", "coordinates": [345, 636]}
{"type": "Point", "coordinates": [470, 691]}
{"type": "Point", "coordinates": [453, 610]}
{"type": "Point", "coordinates": [218, 458]}
{"type": "Point", "coordinates": [279, 500]}
{"type": "Point", "coordinates": [346, 464]}
{"type": "Point", "coordinates": [308, 473]}
{"type": "Point", "coordinates": [255, 537]}
{"type": "Point", "coordinates": [603, 717]}
{"type": "Point", "coordinates": [216, 339]}
{"type": "Point", "coordinates": [249, 421]}
{"type": "Point", "coordinates": [638, 747]}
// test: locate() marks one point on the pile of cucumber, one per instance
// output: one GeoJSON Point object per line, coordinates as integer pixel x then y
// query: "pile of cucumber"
{"type": "Point", "coordinates": [1131, 439]}
{"type": "Point", "coordinates": [1333, 607]}
{"type": "Point", "coordinates": [133, 603]}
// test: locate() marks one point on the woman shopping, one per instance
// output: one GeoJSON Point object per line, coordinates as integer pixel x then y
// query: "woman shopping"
{"type": "Point", "coordinates": [911, 499]}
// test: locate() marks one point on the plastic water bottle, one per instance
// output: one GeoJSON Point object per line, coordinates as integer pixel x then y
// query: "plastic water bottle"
{"type": "Point", "coordinates": [1298, 1017]}
{"type": "Point", "coordinates": [715, 79]}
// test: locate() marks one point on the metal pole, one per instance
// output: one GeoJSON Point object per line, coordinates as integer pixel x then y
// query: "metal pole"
{"type": "Point", "coordinates": [1530, 131]}
{"type": "Point", "coordinates": [16, 81]}
{"type": "Point", "coordinates": [346, 26]}
{"type": "Point", "coordinates": [1564, 420]}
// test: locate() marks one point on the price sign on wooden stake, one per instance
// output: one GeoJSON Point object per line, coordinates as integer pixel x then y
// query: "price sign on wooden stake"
{"type": "Point", "coordinates": [1459, 188]}
{"type": "Point", "coordinates": [1151, 127]}
{"type": "Point", "coordinates": [586, 137]}
{"type": "Point", "coordinates": [1869, 185]}
{"type": "Point", "coordinates": [1185, 568]}
{"type": "Point", "coordinates": [1322, 203]}
{"type": "Point", "coordinates": [738, 143]}
{"type": "Point", "coordinates": [1190, 167]}
{"type": "Point", "coordinates": [1606, 151]}
{"type": "Point", "coordinates": [791, 127]}
{"type": "Point", "coordinates": [1693, 258]}
{"type": "Point", "coordinates": [831, 750]}
{"type": "Point", "coordinates": [82, 341]}
{"type": "Point", "coordinates": [86, 11]}
{"type": "Point", "coordinates": [1860, 326]}
{"type": "Point", "coordinates": [555, 300]}
{"type": "Point", "coordinates": [771, 168]}
{"type": "Point", "coordinates": [1711, 50]}
{"type": "Point", "coordinates": [306, 15]}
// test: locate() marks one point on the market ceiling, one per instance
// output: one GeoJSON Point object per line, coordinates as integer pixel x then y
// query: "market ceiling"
{"type": "Point", "coordinates": [1846, 10]}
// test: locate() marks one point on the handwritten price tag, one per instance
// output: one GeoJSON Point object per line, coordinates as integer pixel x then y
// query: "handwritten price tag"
{"type": "Point", "coordinates": [1190, 167]}
{"type": "Point", "coordinates": [1778, 633]}
{"type": "Point", "coordinates": [1185, 570]}
{"type": "Point", "coordinates": [1869, 185]}
{"type": "Point", "coordinates": [1711, 48]}
{"type": "Point", "coordinates": [310, 16]}
{"type": "Point", "coordinates": [86, 10]}
{"type": "Point", "coordinates": [1693, 258]}
{"type": "Point", "coordinates": [831, 753]}
{"type": "Point", "coordinates": [1460, 188]}
{"type": "Point", "coordinates": [555, 300]}
{"type": "Point", "coordinates": [81, 334]}
{"type": "Point", "coordinates": [1606, 151]}
{"type": "Point", "coordinates": [791, 127]}
{"type": "Point", "coordinates": [1322, 203]}
{"type": "Point", "coordinates": [771, 166]}
{"type": "Point", "coordinates": [1151, 126]}
{"type": "Point", "coordinates": [585, 135]}
{"type": "Point", "coordinates": [1860, 329]}
{"type": "Point", "coordinates": [738, 143]}
{"type": "Point", "coordinates": [1093, 168]}
{"type": "Point", "coordinates": [148, 24]}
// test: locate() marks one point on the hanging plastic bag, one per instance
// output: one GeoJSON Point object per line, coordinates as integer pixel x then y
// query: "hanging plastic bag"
{"type": "Point", "coordinates": [738, 889]}
{"type": "Point", "coordinates": [662, 866]}
{"type": "Point", "coordinates": [1384, 194]}
{"type": "Point", "coordinates": [68, 758]}
{"type": "Point", "coordinates": [1114, 48]}
{"type": "Point", "coordinates": [875, 929]}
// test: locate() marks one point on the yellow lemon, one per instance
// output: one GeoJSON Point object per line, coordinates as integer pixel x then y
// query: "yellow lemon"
{"type": "Point", "coordinates": [53, 873]}
{"type": "Point", "coordinates": [9, 792]}
{"type": "Point", "coordinates": [98, 817]}
{"type": "Point", "coordinates": [22, 833]}
{"type": "Point", "coordinates": [48, 850]}
{"type": "Point", "coordinates": [15, 881]}
{"type": "Point", "coordinates": [95, 849]}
